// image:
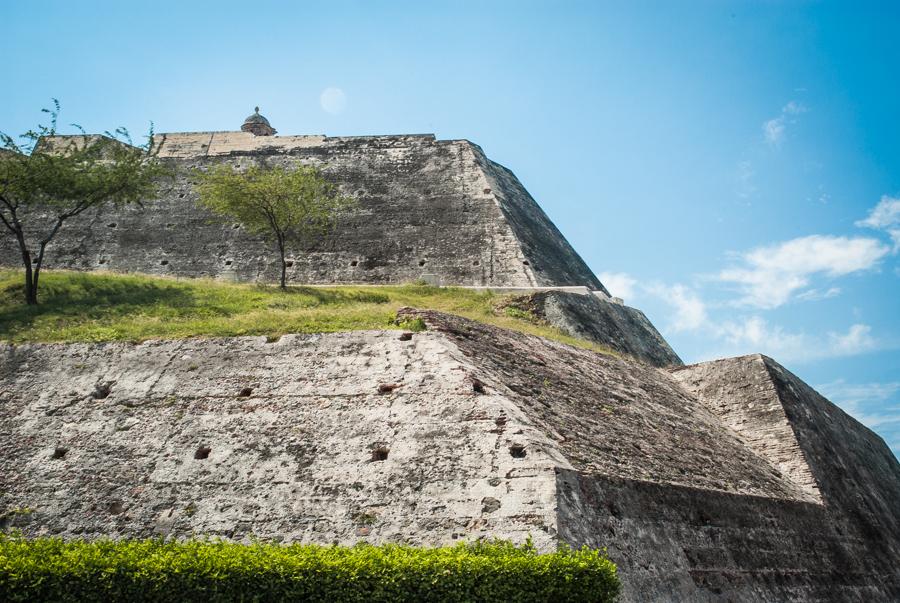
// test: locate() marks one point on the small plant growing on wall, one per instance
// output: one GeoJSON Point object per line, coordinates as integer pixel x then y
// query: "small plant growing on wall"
{"type": "Point", "coordinates": [285, 206]}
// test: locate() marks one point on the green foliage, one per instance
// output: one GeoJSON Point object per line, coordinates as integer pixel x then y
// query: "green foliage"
{"type": "Point", "coordinates": [81, 306]}
{"type": "Point", "coordinates": [285, 205]}
{"type": "Point", "coordinates": [515, 312]}
{"type": "Point", "coordinates": [46, 179]}
{"type": "Point", "coordinates": [416, 325]}
{"type": "Point", "coordinates": [49, 569]}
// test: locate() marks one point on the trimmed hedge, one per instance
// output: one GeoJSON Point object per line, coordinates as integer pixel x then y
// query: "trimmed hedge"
{"type": "Point", "coordinates": [50, 569]}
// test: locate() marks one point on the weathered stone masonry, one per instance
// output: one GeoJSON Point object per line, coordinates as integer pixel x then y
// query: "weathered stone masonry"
{"type": "Point", "coordinates": [462, 431]}
{"type": "Point", "coordinates": [723, 481]}
{"type": "Point", "coordinates": [428, 209]}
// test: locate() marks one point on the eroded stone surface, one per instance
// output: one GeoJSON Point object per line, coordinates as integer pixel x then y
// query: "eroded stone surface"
{"type": "Point", "coordinates": [233, 437]}
{"type": "Point", "coordinates": [462, 431]}
{"type": "Point", "coordinates": [597, 318]}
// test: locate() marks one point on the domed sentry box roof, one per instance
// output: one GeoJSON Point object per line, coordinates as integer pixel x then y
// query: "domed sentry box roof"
{"type": "Point", "coordinates": [258, 125]}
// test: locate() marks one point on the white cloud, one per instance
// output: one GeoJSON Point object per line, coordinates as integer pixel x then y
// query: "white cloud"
{"type": "Point", "coordinates": [867, 402]}
{"type": "Point", "coordinates": [817, 294]}
{"type": "Point", "coordinates": [771, 275]}
{"type": "Point", "coordinates": [885, 216]}
{"type": "Point", "coordinates": [886, 213]}
{"type": "Point", "coordinates": [793, 108]}
{"type": "Point", "coordinates": [856, 341]}
{"type": "Point", "coordinates": [754, 334]}
{"type": "Point", "coordinates": [690, 310]}
{"type": "Point", "coordinates": [619, 284]}
{"type": "Point", "coordinates": [333, 100]}
{"type": "Point", "coordinates": [774, 129]}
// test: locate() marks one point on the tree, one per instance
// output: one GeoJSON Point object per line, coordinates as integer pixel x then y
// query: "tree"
{"type": "Point", "coordinates": [48, 179]}
{"type": "Point", "coordinates": [286, 206]}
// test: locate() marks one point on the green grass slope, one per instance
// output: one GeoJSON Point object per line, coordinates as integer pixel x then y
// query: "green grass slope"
{"type": "Point", "coordinates": [76, 306]}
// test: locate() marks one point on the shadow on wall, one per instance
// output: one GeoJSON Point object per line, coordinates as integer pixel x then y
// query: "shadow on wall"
{"type": "Point", "coordinates": [331, 296]}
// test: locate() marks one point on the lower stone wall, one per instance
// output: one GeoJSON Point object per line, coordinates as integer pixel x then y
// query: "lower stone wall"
{"type": "Point", "coordinates": [675, 543]}
{"type": "Point", "coordinates": [741, 391]}
{"type": "Point", "coordinates": [464, 431]}
{"type": "Point", "coordinates": [347, 437]}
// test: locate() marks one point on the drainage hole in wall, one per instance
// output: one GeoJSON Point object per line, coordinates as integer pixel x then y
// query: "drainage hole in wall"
{"type": "Point", "coordinates": [477, 386]}
{"type": "Point", "coordinates": [59, 452]}
{"type": "Point", "coordinates": [476, 263]}
{"type": "Point", "coordinates": [421, 262]}
{"type": "Point", "coordinates": [525, 263]}
{"type": "Point", "coordinates": [102, 261]}
{"type": "Point", "coordinates": [380, 453]}
{"type": "Point", "coordinates": [202, 453]}
{"type": "Point", "coordinates": [289, 263]}
{"type": "Point", "coordinates": [228, 262]}
{"type": "Point", "coordinates": [181, 195]}
{"type": "Point", "coordinates": [517, 451]}
{"type": "Point", "coordinates": [101, 391]}
{"type": "Point", "coordinates": [164, 263]}
{"type": "Point", "coordinates": [354, 263]}
{"type": "Point", "coordinates": [386, 388]}
{"type": "Point", "coordinates": [246, 392]}
{"type": "Point", "coordinates": [111, 225]}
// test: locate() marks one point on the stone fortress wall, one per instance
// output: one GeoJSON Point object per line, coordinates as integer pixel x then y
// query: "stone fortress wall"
{"type": "Point", "coordinates": [723, 481]}
{"type": "Point", "coordinates": [428, 209]}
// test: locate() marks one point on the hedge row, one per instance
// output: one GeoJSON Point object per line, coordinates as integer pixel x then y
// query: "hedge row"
{"type": "Point", "coordinates": [50, 569]}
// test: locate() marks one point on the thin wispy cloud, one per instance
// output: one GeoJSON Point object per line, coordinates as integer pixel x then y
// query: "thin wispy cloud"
{"type": "Point", "coordinates": [774, 129]}
{"type": "Point", "coordinates": [875, 405]}
{"type": "Point", "coordinates": [885, 217]}
{"type": "Point", "coordinates": [755, 334]}
{"type": "Point", "coordinates": [689, 313]}
{"type": "Point", "coordinates": [745, 180]}
{"type": "Point", "coordinates": [817, 294]}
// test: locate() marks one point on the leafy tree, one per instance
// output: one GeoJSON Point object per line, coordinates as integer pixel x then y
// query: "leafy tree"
{"type": "Point", "coordinates": [46, 180]}
{"type": "Point", "coordinates": [286, 206]}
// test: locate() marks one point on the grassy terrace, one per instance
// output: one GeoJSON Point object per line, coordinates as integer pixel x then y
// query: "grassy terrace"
{"type": "Point", "coordinates": [78, 306]}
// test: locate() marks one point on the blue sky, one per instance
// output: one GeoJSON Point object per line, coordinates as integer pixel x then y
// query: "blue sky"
{"type": "Point", "coordinates": [731, 168]}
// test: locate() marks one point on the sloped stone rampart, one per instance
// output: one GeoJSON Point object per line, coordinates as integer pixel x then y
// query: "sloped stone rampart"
{"type": "Point", "coordinates": [428, 210]}
{"type": "Point", "coordinates": [332, 438]}
{"type": "Point", "coordinates": [597, 318]}
{"type": "Point", "coordinates": [463, 431]}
